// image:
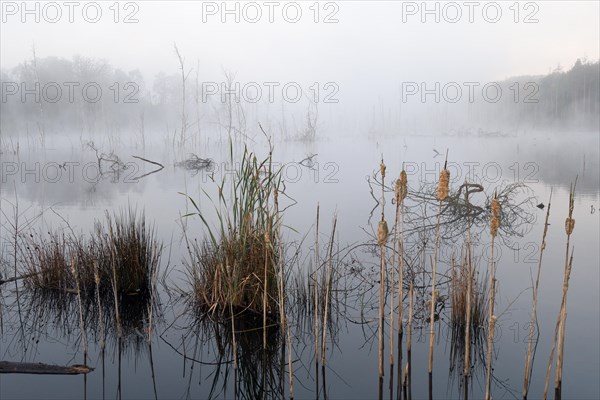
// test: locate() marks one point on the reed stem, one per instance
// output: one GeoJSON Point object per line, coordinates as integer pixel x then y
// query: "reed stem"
{"type": "Point", "coordinates": [442, 194]}
{"type": "Point", "coordinates": [494, 225]}
{"type": "Point", "coordinates": [469, 292]}
{"type": "Point", "coordinates": [382, 234]}
{"type": "Point", "coordinates": [569, 226]}
{"type": "Point", "coordinates": [533, 323]}
{"type": "Point", "coordinates": [327, 293]}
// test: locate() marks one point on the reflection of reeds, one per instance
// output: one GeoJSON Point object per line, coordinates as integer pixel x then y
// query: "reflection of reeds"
{"type": "Point", "coordinates": [62, 309]}
{"type": "Point", "coordinates": [257, 370]}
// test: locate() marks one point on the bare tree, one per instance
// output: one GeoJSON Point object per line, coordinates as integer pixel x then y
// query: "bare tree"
{"type": "Point", "coordinates": [184, 77]}
{"type": "Point", "coordinates": [41, 124]}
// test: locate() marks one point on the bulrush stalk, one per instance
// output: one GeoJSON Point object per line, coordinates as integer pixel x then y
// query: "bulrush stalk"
{"type": "Point", "coordinates": [469, 292]}
{"type": "Point", "coordinates": [442, 194]}
{"type": "Point", "coordinates": [559, 330]}
{"type": "Point", "coordinates": [382, 236]}
{"type": "Point", "coordinates": [533, 323]}
{"type": "Point", "coordinates": [494, 225]}
{"type": "Point", "coordinates": [400, 195]}
{"type": "Point", "coordinates": [569, 226]}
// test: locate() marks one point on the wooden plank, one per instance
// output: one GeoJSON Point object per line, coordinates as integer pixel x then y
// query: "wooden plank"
{"type": "Point", "coordinates": [8, 367]}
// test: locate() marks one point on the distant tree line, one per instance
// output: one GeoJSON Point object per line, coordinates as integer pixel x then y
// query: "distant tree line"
{"type": "Point", "coordinates": [50, 95]}
{"type": "Point", "coordinates": [561, 99]}
{"type": "Point", "coordinates": [47, 95]}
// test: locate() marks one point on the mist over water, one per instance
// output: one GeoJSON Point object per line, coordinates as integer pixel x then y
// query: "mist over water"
{"type": "Point", "coordinates": [154, 107]}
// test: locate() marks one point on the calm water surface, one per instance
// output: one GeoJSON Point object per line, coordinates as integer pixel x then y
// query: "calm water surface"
{"type": "Point", "coordinates": [338, 182]}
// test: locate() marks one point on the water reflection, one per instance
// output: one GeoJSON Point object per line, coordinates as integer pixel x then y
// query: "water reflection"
{"type": "Point", "coordinates": [206, 350]}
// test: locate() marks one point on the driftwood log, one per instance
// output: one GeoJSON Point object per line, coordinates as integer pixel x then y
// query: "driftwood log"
{"type": "Point", "coordinates": [8, 367]}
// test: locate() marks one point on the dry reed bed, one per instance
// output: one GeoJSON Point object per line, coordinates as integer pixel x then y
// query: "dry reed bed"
{"type": "Point", "coordinates": [121, 256]}
{"type": "Point", "coordinates": [106, 279]}
{"type": "Point", "coordinates": [236, 269]}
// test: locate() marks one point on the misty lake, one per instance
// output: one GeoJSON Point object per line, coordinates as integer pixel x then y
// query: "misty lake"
{"type": "Point", "coordinates": [177, 351]}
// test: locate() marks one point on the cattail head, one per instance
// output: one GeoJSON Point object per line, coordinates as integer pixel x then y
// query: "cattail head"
{"type": "Point", "coordinates": [569, 225]}
{"type": "Point", "coordinates": [382, 233]}
{"type": "Point", "coordinates": [495, 224]}
{"type": "Point", "coordinates": [443, 185]}
{"type": "Point", "coordinates": [401, 187]}
{"type": "Point", "coordinates": [382, 169]}
{"type": "Point", "coordinates": [570, 221]}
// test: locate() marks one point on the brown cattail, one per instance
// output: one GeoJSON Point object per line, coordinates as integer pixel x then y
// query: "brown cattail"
{"type": "Point", "coordinates": [401, 187]}
{"type": "Point", "coordinates": [382, 233]}
{"type": "Point", "coordinates": [495, 207]}
{"type": "Point", "coordinates": [382, 169]}
{"type": "Point", "coordinates": [442, 191]}
{"type": "Point", "coordinates": [495, 224]}
{"type": "Point", "coordinates": [569, 225]}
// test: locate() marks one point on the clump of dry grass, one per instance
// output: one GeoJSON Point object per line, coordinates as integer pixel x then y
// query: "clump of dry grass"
{"type": "Point", "coordinates": [236, 270]}
{"type": "Point", "coordinates": [122, 244]}
{"type": "Point", "coordinates": [107, 279]}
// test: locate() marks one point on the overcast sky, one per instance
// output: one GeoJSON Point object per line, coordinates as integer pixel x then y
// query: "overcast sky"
{"type": "Point", "coordinates": [381, 39]}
